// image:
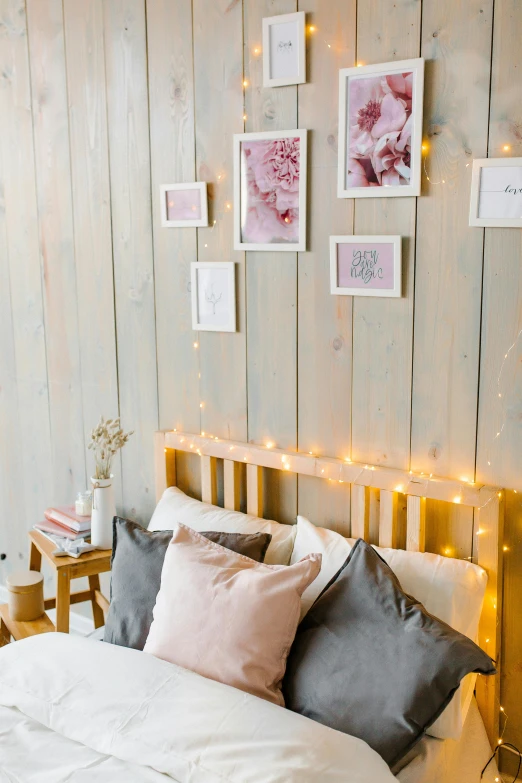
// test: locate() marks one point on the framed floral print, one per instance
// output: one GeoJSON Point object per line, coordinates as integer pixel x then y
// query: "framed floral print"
{"type": "Point", "coordinates": [270, 191]}
{"type": "Point", "coordinates": [380, 130]}
{"type": "Point", "coordinates": [365, 265]}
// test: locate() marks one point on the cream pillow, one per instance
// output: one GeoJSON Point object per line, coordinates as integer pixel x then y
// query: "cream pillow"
{"type": "Point", "coordinates": [227, 617]}
{"type": "Point", "coordinates": [450, 589]}
{"type": "Point", "coordinates": [175, 507]}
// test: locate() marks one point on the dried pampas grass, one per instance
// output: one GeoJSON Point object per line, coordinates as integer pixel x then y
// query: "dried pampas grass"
{"type": "Point", "coordinates": [106, 439]}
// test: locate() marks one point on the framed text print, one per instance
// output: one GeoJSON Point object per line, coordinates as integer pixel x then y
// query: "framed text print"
{"type": "Point", "coordinates": [184, 204]}
{"type": "Point", "coordinates": [284, 52]}
{"type": "Point", "coordinates": [213, 290]}
{"type": "Point", "coordinates": [365, 266]}
{"type": "Point", "coordinates": [496, 193]}
{"type": "Point", "coordinates": [270, 191]}
{"type": "Point", "coordinates": [380, 130]}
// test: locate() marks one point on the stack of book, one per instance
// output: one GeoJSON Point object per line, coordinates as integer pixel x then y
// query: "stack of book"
{"type": "Point", "coordinates": [64, 521]}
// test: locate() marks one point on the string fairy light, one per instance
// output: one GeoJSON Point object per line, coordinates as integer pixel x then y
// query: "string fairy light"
{"type": "Point", "coordinates": [499, 393]}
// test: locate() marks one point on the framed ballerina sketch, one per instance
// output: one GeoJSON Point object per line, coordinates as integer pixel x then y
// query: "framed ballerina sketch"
{"type": "Point", "coordinates": [380, 130]}
{"type": "Point", "coordinates": [270, 191]}
{"type": "Point", "coordinates": [284, 50]}
{"type": "Point", "coordinates": [213, 290]}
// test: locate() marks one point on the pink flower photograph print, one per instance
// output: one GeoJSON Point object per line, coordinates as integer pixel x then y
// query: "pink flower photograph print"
{"type": "Point", "coordinates": [380, 125]}
{"type": "Point", "coordinates": [270, 191]}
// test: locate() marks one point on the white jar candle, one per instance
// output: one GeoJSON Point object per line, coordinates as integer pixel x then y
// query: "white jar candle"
{"type": "Point", "coordinates": [83, 504]}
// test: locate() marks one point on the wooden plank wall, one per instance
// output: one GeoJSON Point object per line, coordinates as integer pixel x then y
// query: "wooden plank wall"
{"type": "Point", "coordinates": [104, 100]}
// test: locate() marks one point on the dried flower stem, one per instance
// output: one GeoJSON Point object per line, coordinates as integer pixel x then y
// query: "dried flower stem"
{"type": "Point", "coordinates": [106, 439]}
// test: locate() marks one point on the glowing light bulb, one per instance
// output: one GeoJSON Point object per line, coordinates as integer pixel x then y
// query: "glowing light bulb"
{"type": "Point", "coordinates": [505, 548]}
{"type": "Point", "coordinates": [244, 117]}
{"type": "Point", "coordinates": [506, 147]}
{"type": "Point", "coordinates": [228, 205]}
{"type": "Point", "coordinates": [196, 345]}
{"type": "Point", "coordinates": [202, 432]}
{"type": "Point", "coordinates": [165, 450]}
{"type": "Point", "coordinates": [245, 82]}
{"type": "Point", "coordinates": [269, 445]}
{"type": "Point", "coordinates": [359, 65]}
{"type": "Point", "coordinates": [200, 404]}
{"type": "Point", "coordinates": [257, 50]}
{"type": "Point", "coordinates": [312, 28]}
{"type": "Point", "coordinates": [457, 499]}
{"type": "Point", "coordinates": [424, 147]}
{"type": "Point", "coordinates": [399, 488]}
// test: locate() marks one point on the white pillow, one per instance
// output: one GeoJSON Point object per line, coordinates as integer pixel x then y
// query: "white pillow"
{"type": "Point", "coordinates": [175, 507]}
{"type": "Point", "coordinates": [452, 590]}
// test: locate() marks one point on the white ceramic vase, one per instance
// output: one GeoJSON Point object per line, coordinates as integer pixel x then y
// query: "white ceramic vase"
{"type": "Point", "coordinates": [103, 511]}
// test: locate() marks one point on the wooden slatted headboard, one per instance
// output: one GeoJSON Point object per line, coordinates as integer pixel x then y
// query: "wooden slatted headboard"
{"type": "Point", "coordinates": [243, 466]}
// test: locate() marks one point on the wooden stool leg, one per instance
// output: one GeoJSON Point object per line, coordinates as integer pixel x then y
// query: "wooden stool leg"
{"type": "Point", "coordinates": [35, 558]}
{"type": "Point", "coordinates": [97, 612]}
{"type": "Point", "coordinates": [5, 636]}
{"type": "Point", "coordinates": [63, 600]}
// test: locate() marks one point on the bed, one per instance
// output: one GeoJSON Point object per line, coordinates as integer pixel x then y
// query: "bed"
{"type": "Point", "coordinates": [75, 709]}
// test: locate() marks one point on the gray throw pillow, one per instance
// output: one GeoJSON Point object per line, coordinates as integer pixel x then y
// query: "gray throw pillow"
{"type": "Point", "coordinates": [137, 561]}
{"type": "Point", "coordinates": [368, 660]}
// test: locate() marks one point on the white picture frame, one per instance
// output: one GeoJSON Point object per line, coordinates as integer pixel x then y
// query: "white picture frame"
{"type": "Point", "coordinates": [490, 176]}
{"type": "Point", "coordinates": [372, 152]}
{"type": "Point", "coordinates": [213, 294]}
{"type": "Point", "coordinates": [252, 218]}
{"type": "Point", "coordinates": [192, 197]}
{"type": "Point", "coordinates": [284, 50]}
{"type": "Point", "coordinates": [365, 271]}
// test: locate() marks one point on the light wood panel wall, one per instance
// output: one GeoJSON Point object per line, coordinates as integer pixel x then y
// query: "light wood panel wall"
{"type": "Point", "coordinates": [101, 102]}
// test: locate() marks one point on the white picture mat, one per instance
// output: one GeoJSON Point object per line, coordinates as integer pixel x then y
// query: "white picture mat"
{"type": "Point", "coordinates": [394, 239]}
{"type": "Point", "coordinates": [213, 296]}
{"type": "Point", "coordinates": [280, 66]}
{"type": "Point", "coordinates": [200, 222]}
{"type": "Point", "coordinates": [416, 66]}
{"type": "Point", "coordinates": [496, 193]}
{"type": "Point", "coordinates": [284, 50]}
{"type": "Point", "coordinates": [294, 247]}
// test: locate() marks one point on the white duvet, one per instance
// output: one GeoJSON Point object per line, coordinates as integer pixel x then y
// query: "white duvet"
{"type": "Point", "coordinates": [75, 710]}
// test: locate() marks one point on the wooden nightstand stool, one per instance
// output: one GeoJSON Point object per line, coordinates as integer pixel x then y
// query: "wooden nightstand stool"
{"type": "Point", "coordinates": [91, 565]}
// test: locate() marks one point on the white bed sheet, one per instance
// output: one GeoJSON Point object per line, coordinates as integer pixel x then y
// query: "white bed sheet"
{"type": "Point", "coordinates": [75, 710]}
{"type": "Point", "coordinates": [446, 761]}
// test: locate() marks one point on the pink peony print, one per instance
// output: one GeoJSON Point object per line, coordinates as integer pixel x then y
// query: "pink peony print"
{"type": "Point", "coordinates": [271, 202]}
{"type": "Point", "coordinates": [380, 127]}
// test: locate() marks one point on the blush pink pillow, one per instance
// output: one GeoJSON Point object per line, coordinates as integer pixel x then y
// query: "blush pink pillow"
{"type": "Point", "coordinates": [227, 617]}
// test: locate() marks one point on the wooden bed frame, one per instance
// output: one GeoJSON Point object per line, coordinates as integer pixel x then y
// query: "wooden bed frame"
{"type": "Point", "coordinates": [243, 466]}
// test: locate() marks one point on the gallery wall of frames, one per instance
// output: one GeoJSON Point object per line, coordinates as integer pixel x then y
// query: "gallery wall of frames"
{"type": "Point", "coordinates": [346, 181]}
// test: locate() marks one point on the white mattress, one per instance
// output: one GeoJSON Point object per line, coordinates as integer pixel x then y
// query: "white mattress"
{"type": "Point", "coordinates": [446, 761]}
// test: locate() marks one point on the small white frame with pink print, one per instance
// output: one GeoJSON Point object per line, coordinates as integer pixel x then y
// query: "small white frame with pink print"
{"type": "Point", "coordinates": [270, 190]}
{"type": "Point", "coordinates": [380, 129]}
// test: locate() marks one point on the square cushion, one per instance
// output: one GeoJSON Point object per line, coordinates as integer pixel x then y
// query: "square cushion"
{"type": "Point", "coordinates": [451, 589]}
{"type": "Point", "coordinates": [176, 507]}
{"type": "Point", "coordinates": [225, 616]}
{"type": "Point", "coordinates": [370, 661]}
{"type": "Point", "coordinates": [137, 560]}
